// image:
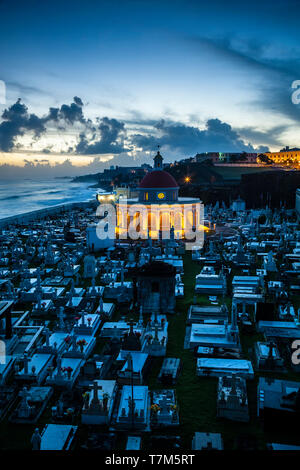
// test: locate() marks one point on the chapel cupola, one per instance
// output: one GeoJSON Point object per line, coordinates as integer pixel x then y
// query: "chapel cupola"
{"type": "Point", "coordinates": [158, 186]}
{"type": "Point", "coordinates": [158, 161]}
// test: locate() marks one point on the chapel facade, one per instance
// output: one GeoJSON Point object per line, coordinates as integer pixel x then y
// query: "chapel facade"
{"type": "Point", "coordinates": [158, 208]}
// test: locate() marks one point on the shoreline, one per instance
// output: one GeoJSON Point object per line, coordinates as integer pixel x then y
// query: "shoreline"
{"type": "Point", "coordinates": [40, 214]}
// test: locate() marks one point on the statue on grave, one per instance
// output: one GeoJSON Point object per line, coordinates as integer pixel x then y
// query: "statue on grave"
{"type": "Point", "coordinates": [24, 409]}
{"type": "Point", "coordinates": [36, 440]}
{"type": "Point", "coordinates": [58, 366]}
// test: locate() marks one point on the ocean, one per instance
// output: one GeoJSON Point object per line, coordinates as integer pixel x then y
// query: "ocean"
{"type": "Point", "coordinates": [19, 196]}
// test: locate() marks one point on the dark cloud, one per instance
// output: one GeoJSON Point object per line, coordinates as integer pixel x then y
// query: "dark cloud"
{"type": "Point", "coordinates": [78, 101]}
{"type": "Point", "coordinates": [216, 137]}
{"type": "Point", "coordinates": [270, 137]}
{"type": "Point", "coordinates": [70, 113]}
{"type": "Point", "coordinates": [107, 138]}
{"type": "Point", "coordinates": [16, 121]}
{"type": "Point", "coordinates": [53, 114]}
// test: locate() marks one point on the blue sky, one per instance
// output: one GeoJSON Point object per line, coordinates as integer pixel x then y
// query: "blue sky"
{"type": "Point", "coordinates": [192, 76]}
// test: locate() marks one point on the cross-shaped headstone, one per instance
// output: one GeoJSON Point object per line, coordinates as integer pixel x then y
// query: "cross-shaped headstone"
{"type": "Point", "coordinates": [95, 388]}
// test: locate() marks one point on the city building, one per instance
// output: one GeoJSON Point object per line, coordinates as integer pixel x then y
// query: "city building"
{"type": "Point", "coordinates": [285, 156]}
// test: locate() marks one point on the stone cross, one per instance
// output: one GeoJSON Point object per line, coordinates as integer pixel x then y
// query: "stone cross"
{"type": "Point", "coordinates": [95, 398]}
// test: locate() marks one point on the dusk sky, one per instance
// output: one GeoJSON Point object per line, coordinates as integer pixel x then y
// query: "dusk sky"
{"type": "Point", "coordinates": [93, 83]}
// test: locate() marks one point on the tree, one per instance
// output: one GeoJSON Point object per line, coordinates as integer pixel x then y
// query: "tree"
{"type": "Point", "coordinates": [262, 158]}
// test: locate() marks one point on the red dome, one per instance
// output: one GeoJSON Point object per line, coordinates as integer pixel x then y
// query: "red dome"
{"type": "Point", "coordinates": [158, 179]}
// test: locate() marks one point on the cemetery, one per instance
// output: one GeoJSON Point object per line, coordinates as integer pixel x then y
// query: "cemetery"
{"type": "Point", "coordinates": [145, 343]}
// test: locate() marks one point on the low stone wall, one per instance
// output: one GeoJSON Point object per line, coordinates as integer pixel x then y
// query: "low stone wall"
{"type": "Point", "coordinates": [41, 214]}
